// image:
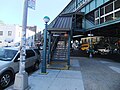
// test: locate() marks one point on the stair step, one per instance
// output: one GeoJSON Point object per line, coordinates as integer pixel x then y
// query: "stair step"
{"type": "Point", "coordinates": [58, 55]}
{"type": "Point", "coordinates": [58, 49]}
{"type": "Point", "coordinates": [59, 58]}
{"type": "Point", "coordinates": [61, 50]}
{"type": "Point", "coordinates": [58, 64]}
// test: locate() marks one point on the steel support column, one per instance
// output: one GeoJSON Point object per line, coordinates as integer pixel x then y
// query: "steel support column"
{"type": "Point", "coordinates": [49, 48]}
{"type": "Point", "coordinates": [69, 39]}
{"type": "Point", "coordinates": [43, 69]}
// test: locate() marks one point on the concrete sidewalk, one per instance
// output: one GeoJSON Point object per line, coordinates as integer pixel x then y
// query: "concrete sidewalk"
{"type": "Point", "coordinates": [84, 74]}
{"type": "Point", "coordinates": [56, 79]}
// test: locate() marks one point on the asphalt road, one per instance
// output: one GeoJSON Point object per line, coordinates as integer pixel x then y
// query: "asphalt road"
{"type": "Point", "coordinates": [79, 53]}
{"type": "Point", "coordinates": [98, 73]}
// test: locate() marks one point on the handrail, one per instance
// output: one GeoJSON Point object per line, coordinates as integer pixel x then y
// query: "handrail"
{"type": "Point", "coordinates": [53, 45]}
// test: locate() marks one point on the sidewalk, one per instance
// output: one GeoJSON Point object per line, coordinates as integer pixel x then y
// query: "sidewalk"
{"type": "Point", "coordinates": [56, 79]}
{"type": "Point", "coordinates": [84, 74]}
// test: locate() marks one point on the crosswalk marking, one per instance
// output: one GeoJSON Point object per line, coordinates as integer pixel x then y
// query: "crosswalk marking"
{"type": "Point", "coordinates": [115, 69]}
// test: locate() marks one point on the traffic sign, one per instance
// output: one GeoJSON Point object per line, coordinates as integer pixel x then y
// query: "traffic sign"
{"type": "Point", "coordinates": [31, 4]}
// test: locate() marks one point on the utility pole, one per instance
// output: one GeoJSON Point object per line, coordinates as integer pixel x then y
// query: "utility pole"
{"type": "Point", "coordinates": [21, 78]}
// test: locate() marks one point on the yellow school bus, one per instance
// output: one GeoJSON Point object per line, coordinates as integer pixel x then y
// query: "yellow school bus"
{"type": "Point", "coordinates": [85, 46]}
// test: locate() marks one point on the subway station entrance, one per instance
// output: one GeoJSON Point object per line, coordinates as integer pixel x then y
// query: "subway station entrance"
{"type": "Point", "coordinates": [60, 34]}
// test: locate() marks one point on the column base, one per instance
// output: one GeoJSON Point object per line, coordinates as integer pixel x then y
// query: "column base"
{"type": "Point", "coordinates": [90, 55]}
{"type": "Point", "coordinates": [21, 81]}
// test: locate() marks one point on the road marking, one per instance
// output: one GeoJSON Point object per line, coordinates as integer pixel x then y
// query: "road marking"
{"type": "Point", "coordinates": [115, 69]}
{"type": "Point", "coordinates": [104, 62]}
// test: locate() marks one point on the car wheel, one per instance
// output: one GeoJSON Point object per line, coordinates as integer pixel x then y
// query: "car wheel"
{"type": "Point", "coordinates": [36, 66]}
{"type": "Point", "coordinates": [5, 79]}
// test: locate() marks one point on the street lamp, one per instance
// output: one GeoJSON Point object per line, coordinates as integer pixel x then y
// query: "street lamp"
{"type": "Point", "coordinates": [46, 20]}
{"type": "Point", "coordinates": [21, 78]}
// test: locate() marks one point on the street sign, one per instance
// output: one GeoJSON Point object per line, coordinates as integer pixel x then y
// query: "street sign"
{"type": "Point", "coordinates": [90, 34]}
{"type": "Point", "coordinates": [31, 4]}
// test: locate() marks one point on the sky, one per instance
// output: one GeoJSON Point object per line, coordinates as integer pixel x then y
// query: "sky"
{"type": "Point", "coordinates": [11, 11]}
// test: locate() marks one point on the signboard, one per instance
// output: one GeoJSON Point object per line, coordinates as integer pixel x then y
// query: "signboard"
{"type": "Point", "coordinates": [56, 35]}
{"type": "Point", "coordinates": [31, 4]}
{"type": "Point", "coordinates": [90, 34]}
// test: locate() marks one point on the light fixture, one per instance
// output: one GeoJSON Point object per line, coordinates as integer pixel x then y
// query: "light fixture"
{"type": "Point", "coordinates": [46, 19]}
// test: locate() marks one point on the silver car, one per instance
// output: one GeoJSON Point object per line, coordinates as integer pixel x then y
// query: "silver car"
{"type": "Point", "coordinates": [9, 63]}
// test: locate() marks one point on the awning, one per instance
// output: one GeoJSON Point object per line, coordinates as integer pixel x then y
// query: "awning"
{"type": "Point", "coordinates": [62, 23]}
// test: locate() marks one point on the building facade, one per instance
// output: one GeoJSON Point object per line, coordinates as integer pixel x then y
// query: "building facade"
{"type": "Point", "coordinates": [10, 35]}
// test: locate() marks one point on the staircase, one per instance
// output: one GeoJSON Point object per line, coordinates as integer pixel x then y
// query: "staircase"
{"type": "Point", "coordinates": [60, 57]}
{"type": "Point", "coordinates": [60, 54]}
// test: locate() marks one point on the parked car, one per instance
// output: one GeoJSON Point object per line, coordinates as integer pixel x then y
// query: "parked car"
{"type": "Point", "coordinates": [9, 63]}
{"type": "Point", "coordinates": [103, 51]}
{"type": "Point", "coordinates": [38, 53]}
{"type": "Point", "coordinates": [106, 48]}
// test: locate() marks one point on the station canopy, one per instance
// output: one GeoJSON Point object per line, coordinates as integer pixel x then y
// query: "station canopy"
{"type": "Point", "coordinates": [63, 23]}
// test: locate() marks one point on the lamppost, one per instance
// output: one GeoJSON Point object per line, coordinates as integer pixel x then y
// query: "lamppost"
{"type": "Point", "coordinates": [21, 78]}
{"type": "Point", "coordinates": [46, 20]}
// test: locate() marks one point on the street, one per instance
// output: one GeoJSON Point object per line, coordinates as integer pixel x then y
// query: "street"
{"type": "Point", "coordinates": [84, 74]}
{"type": "Point", "coordinates": [100, 74]}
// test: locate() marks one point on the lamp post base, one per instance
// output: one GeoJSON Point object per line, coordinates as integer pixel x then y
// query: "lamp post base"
{"type": "Point", "coordinates": [21, 81]}
{"type": "Point", "coordinates": [90, 55]}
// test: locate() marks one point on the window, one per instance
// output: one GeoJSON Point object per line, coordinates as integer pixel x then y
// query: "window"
{"type": "Point", "coordinates": [88, 40]}
{"type": "Point", "coordinates": [1, 33]}
{"type": "Point", "coordinates": [7, 54]}
{"type": "Point", "coordinates": [117, 14]}
{"type": "Point", "coordinates": [82, 41]}
{"type": "Point", "coordinates": [18, 56]}
{"type": "Point", "coordinates": [85, 40]}
{"type": "Point", "coordinates": [29, 53]}
{"type": "Point", "coordinates": [9, 33]}
{"type": "Point", "coordinates": [109, 8]}
{"type": "Point", "coordinates": [117, 4]}
{"type": "Point", "coordinates": [97, 21]}
{"type": "Point", "coordinates": [96, 13]}
{"type": "Point", "coordinates": [102, 11]}
{"type": "Point", "coordinates": [102, 20]}
{"type": "Point", "coordinates": [109, 17]}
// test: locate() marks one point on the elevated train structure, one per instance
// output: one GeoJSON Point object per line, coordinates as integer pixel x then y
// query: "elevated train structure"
{"type": "Point", "coordinates": [83, 17]}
